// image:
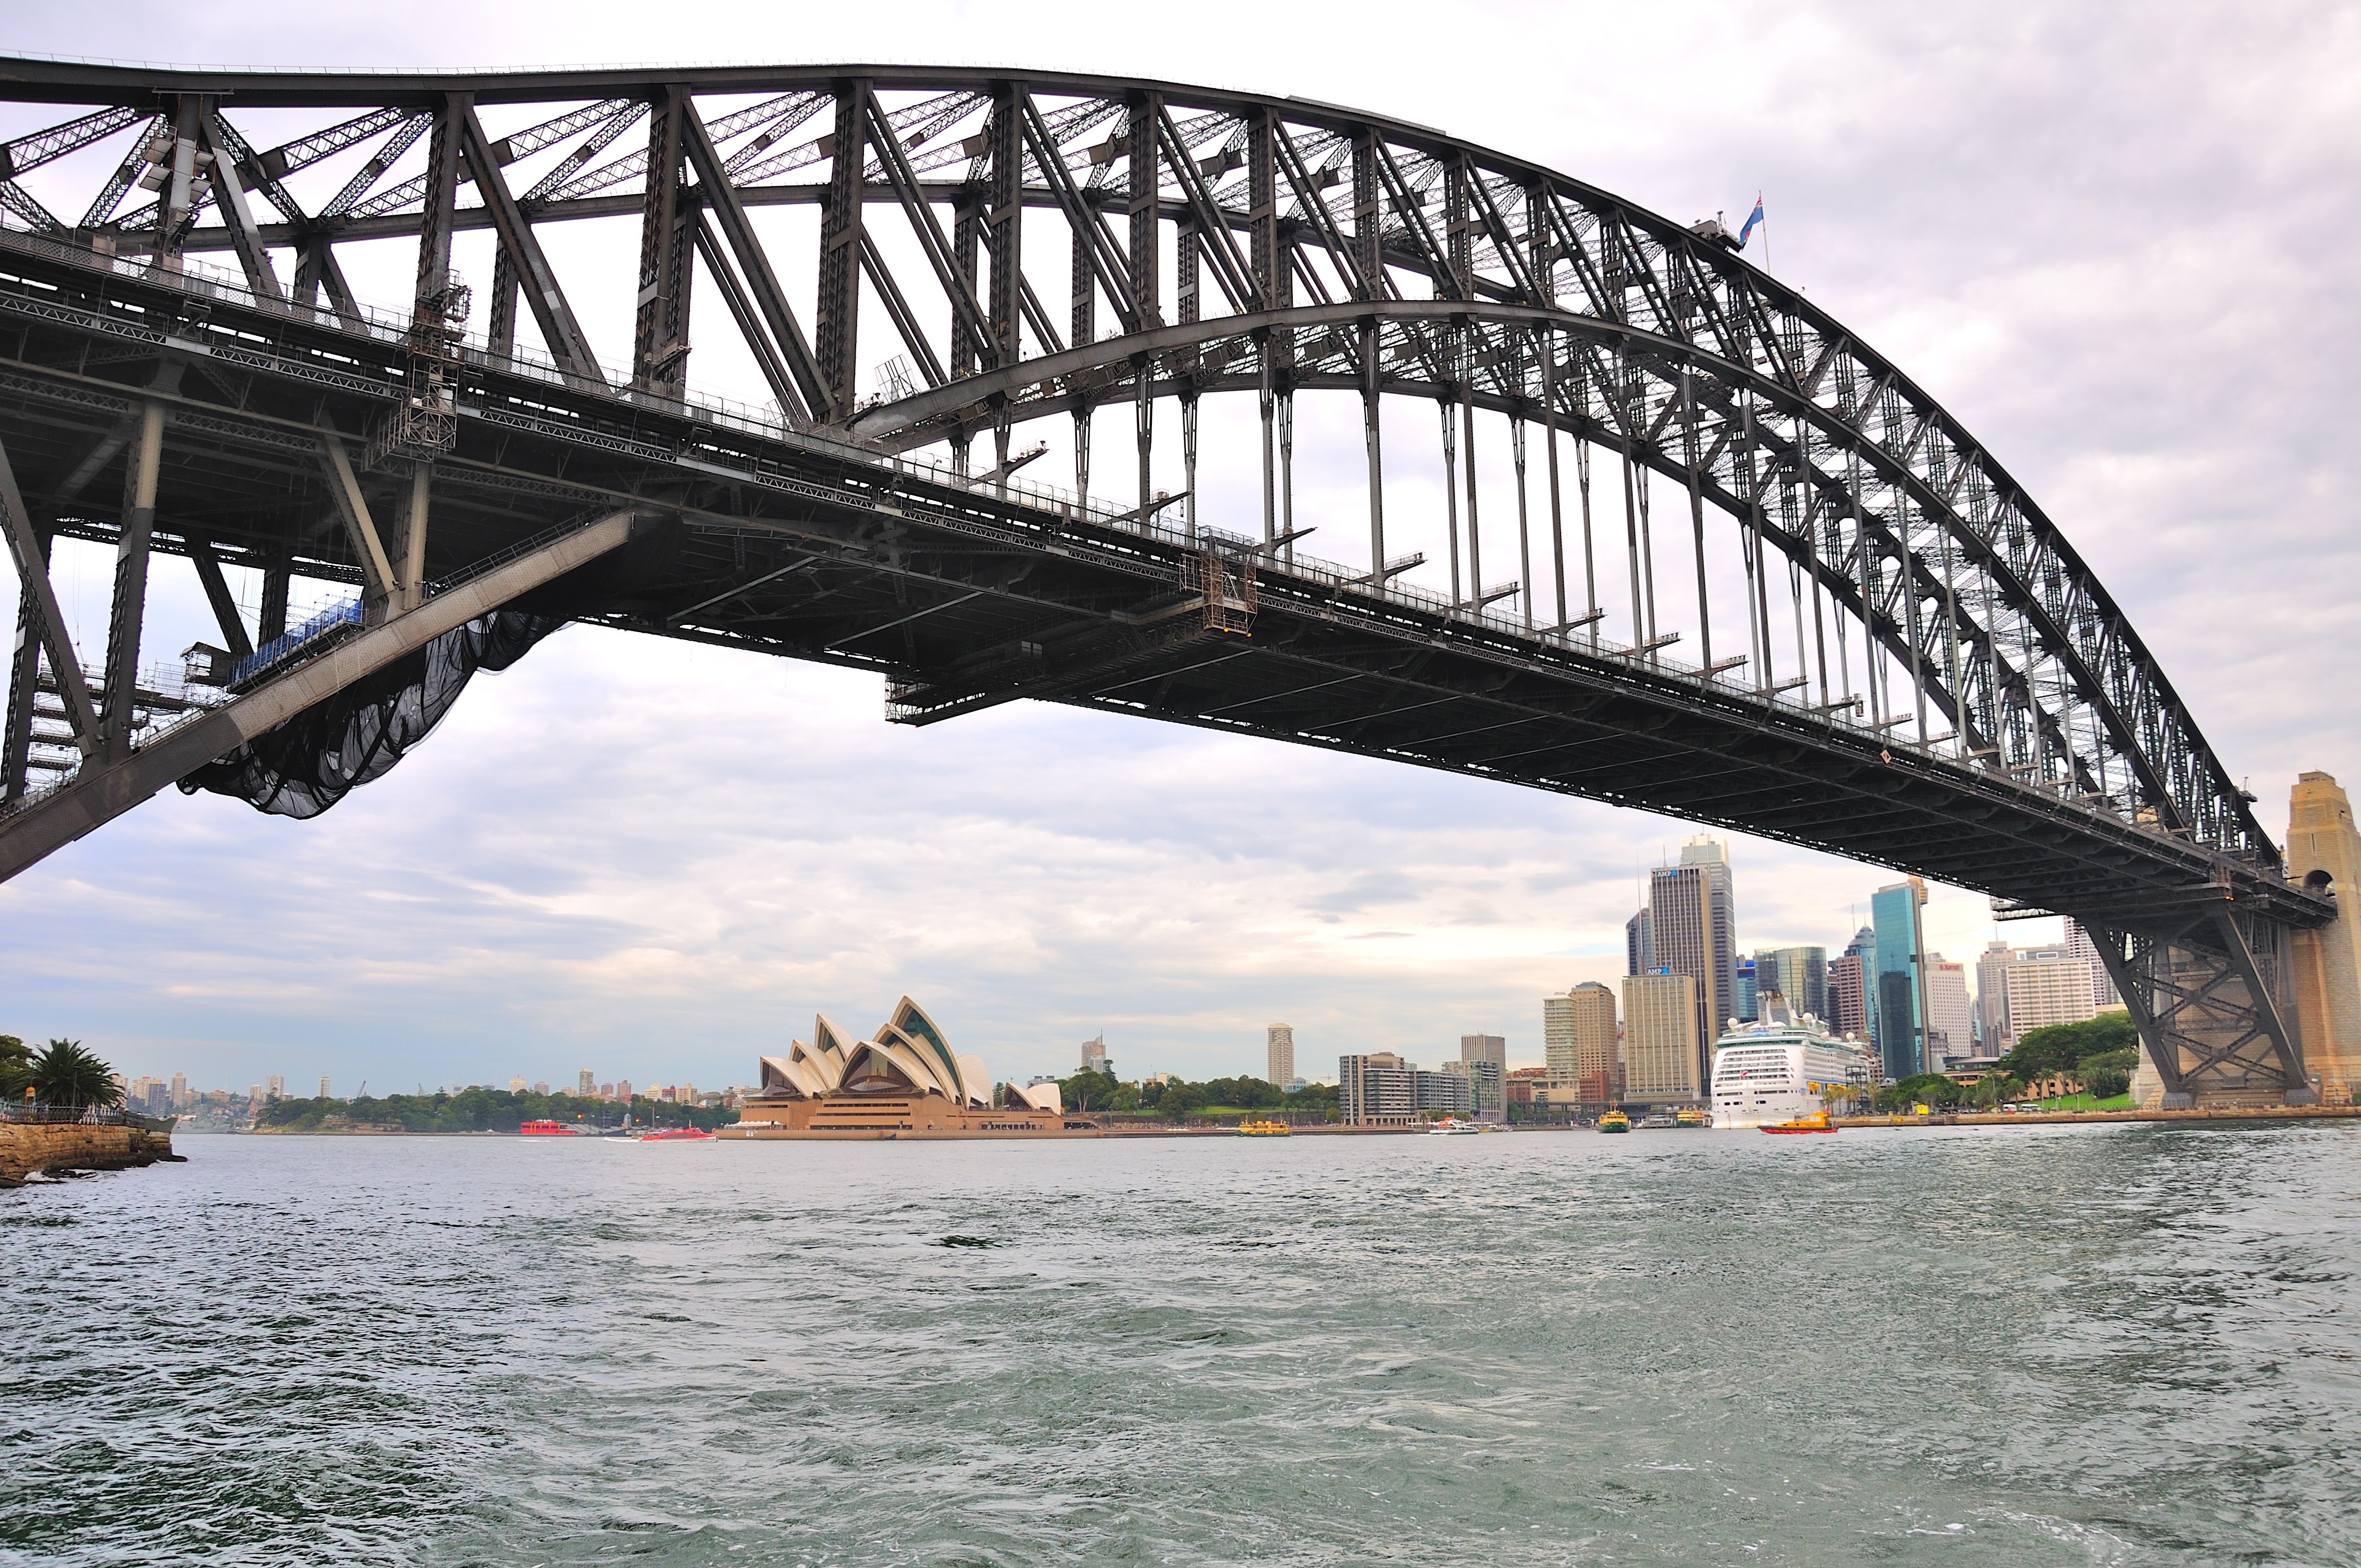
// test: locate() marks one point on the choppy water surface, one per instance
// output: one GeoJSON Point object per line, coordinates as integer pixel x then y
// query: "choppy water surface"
{"type": "Point", "coordinates": [2034, 1346]}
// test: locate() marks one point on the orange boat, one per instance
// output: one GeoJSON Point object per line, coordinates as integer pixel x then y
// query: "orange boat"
{"type": "Point", "coordinates": [547, 1130]}
{"type": "Point", "coordinates": [1818, 1121]}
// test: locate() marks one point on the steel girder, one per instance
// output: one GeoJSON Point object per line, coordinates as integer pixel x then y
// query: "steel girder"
{"type": "Point", "coordinates": [1345, 252]}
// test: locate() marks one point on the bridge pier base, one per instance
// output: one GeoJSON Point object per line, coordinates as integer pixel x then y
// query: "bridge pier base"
{"type": "Point", "coordinates": [2206, 989]}
{"type": "Point", "coordinates": [2323, 852]}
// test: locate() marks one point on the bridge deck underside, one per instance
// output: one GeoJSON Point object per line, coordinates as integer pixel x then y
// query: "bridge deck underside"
{"type": "Point", "coordinates": [801, 549]}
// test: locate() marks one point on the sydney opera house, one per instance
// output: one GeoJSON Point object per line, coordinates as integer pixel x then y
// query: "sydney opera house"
{"type": "Point", "coordinates": [903, 1082]}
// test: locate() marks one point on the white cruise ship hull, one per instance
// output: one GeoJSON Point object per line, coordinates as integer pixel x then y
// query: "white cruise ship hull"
{"type": "Point", "coordinates": [1764, 1076]}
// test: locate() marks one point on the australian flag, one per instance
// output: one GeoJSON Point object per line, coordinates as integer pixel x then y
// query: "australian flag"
{"type": "Point", "coordinates": [1751, 219]}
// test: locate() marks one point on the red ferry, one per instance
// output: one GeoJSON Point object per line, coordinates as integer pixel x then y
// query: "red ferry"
{"type": "Point", "coordinates": [547, 1130]}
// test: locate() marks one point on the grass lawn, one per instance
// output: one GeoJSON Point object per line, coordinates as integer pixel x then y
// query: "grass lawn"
{"type": "Point", "coordinates": [2085, 1102]}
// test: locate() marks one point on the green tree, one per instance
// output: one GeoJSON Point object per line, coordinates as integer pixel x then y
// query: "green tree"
{"type": "Point", "coordinates": [1181, 1101]}
{"type": "Point", "coordinates": [2065, 1048]}
{"type": "Point", "coordinates": [1088, 1090]}
{"type": "Point", "coordinates": [66, 1074]}
{"type": "Point", "coordinates": [16, 1060]}
{"type": "Point", "coordinates": [2109, 1082]}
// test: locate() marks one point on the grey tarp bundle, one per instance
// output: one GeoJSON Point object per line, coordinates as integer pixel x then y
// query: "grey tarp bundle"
{"type": "Point", "coordinates": [304, 766]}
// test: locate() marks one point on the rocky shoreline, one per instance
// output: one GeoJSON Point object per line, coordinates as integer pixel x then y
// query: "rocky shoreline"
{"type": "Point", "coordinates": [28, 1148]}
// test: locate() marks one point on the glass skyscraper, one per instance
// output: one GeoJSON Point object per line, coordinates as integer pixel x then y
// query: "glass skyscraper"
{"type": "Point", "coordinates": [1897, 1004]}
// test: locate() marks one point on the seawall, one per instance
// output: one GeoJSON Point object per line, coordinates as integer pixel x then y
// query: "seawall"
{"type": "Point", "coordinates": [29, 1146]}
{"type": "Point", "coordinates": [2040, 1118]}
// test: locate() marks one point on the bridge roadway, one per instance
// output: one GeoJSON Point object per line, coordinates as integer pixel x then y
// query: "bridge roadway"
{"type": "Point", "coordinates": [473, 493]}
{"type": "Point", "coordinates": [798, 546]}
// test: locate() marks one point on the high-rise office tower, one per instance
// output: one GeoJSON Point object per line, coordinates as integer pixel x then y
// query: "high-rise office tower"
{"type": "Point", "coordinates": [1991, 999]}
{"type": "Point", "coordinates": [2046, 986]}
{"type": "Point", "coordinates": [1745, 991]}
{"type": "Point", "coordinates": [275, 1087]}
{"type": "Point", "coordinates": [1693, 920]}
{"type": "Point", "coordinates": [324, 1089]}
{"type": "Point", "coordinates": [1950, 1021]}
{"type": "Point", "coordinates": [1799, 974]}
{"type": "Point", "coordinates": [1578, 1044]}
{"type": "Point", "coordinates": [1896, 990]}
{"type": "Point", "coordinates": [1493, 1048]}
{"type": "Point", "coordinates": [1848, 1010]}
{"type": "Point", "coordinates": [1280, 1051]}
{"type": "Point", "coordinates": [1094, 1054]}
{"type": "Point", "coordinates": [1639, 945]}
{"type": "Point", "coordinates": [516, 1086]}
{"type": "Point", "coordinates": [180, 1091]}
{"type": "Point", "coordinates": [2102, 984]}
{"type": "Point", "coordinates": [1660, 1038]}
{"type": "Point", "coordinates": [586, 1083]}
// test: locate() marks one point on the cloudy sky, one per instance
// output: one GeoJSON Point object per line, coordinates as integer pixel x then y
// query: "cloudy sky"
{"type": "Point", "coordinates": [2117, 242]}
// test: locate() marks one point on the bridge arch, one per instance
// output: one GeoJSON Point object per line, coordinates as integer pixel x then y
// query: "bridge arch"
{"type": "Point", "coordinates": [1989, 703]}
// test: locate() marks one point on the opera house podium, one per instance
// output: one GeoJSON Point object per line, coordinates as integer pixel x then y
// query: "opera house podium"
{"type": "Point", "coordinates": [903, 1082]}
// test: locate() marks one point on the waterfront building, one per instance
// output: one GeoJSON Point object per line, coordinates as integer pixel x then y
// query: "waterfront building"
{"type": "Point", "coordinates": [1692, 917]}
{"type": "Point", "coordinates": [2102, 984]}
{"type": "Point", "coordinates": [1453, 1092]}
{"type": "Point", "coordinates": [1660, 1058]}
{"type": "Point", "coordinates": [1950, 1021]}
{"type": "Point", "coordinates": [586, 1083]}
{"type": "Point", "coordinates": [904, 1081]}
{"type": "Point", "coordinates": [1280, 1046]}
{"type": "Point", "coordinates": [2046, 986]}
{"type": "Point", "coordinates": [1491, 1052]}
{"type": "Point", "coordinates": [1896, 999]}
{"type": "Point", "coordinates": [1799, 974]}
{"type": "Point", "coordinates": [1519, 1089]}
{"type": "Point", "coordinates": [1639, 945]}
{"type": "Point", "coordinates": [1376, 1090]}
{"type": "Point", "coordinates": [1745, 994]}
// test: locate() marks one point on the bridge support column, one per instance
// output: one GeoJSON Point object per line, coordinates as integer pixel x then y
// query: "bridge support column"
{"type": "Point", "coordinates": [2323, 851]}
{"type": "Point", "coordinates": [2204, 989]}
{"type": "Point", "coordinates": [130, 604]}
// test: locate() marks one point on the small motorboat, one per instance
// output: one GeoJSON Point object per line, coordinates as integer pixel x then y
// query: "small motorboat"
{"type": "Point", "coordinates": [1452, 1127]}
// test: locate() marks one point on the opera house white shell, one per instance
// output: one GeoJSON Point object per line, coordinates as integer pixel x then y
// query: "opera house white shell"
{"type": "Point", "coordinates": [903, 1082]}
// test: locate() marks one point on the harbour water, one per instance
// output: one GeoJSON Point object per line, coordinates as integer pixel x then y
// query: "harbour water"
{"type": "Point", "coordinates": [2069, 1344]}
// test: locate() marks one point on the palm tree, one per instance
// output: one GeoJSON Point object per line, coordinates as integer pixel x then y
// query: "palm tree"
{"type": "Point", "coordinates": [65, 1074]}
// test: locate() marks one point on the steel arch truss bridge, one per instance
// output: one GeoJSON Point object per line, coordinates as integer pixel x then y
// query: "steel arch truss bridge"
{"type": "Point", "coordinates": [1744, 570]}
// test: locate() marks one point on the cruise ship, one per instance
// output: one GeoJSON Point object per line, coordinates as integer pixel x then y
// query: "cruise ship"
{"type": "Point", "coordinates": [1787, 1067]}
